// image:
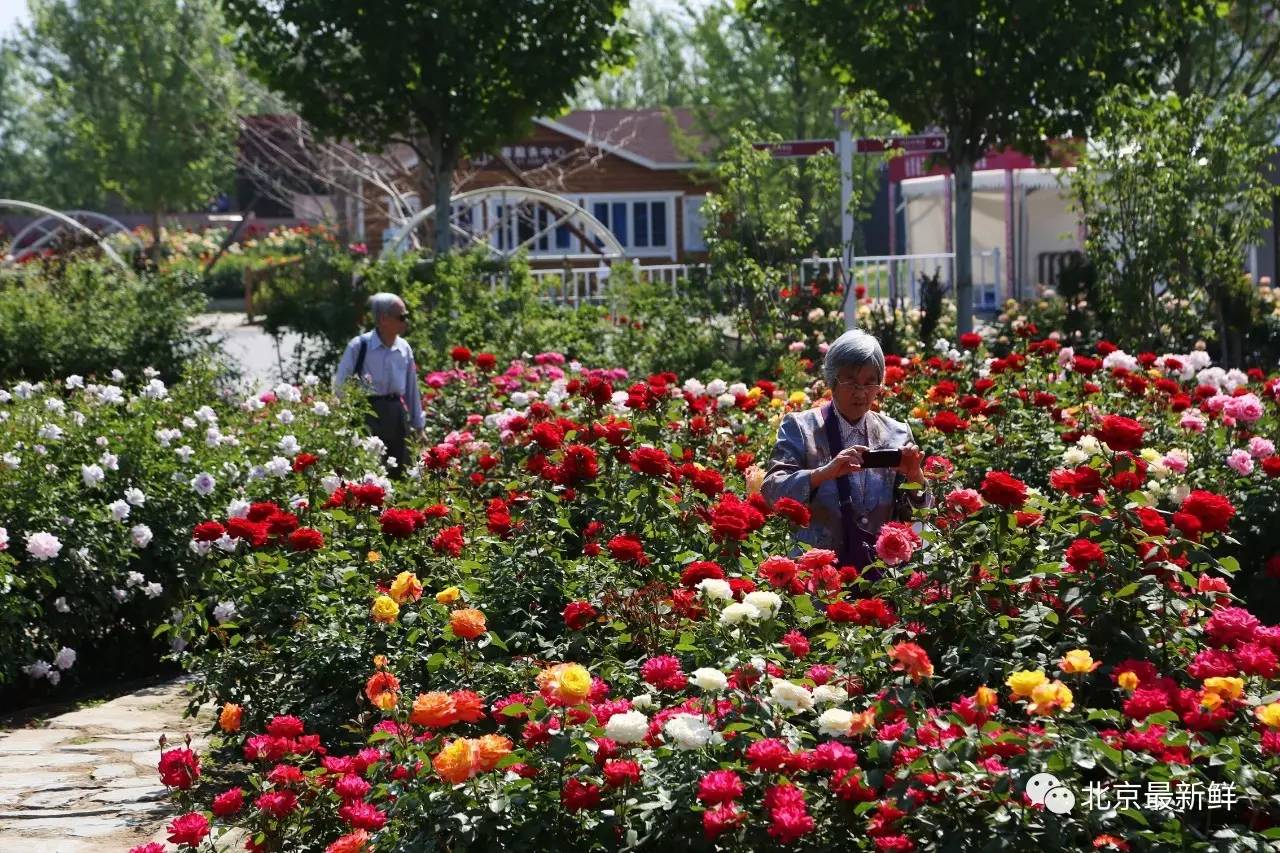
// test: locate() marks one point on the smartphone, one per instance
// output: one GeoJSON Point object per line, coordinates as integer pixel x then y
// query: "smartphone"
{"type": "Point", "coordinates": [881, 458]}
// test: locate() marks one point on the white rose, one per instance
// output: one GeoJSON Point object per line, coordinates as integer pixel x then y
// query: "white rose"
{"type": "Point", "coordinates": [642, 702]}
{"type": "Point", "coordinates": [153, 590]}
{"type": "Point", "coordinates": [688, 731]}
{"type": "Point", "coordinates": [224, 611]}
{"type": "Point", "coordinates": [43, 546]}
{"type": "Point", "coordinates": [38, 669]}
{"type": "Point", "coordinates": [204, 483]}
{"type": "Point", "coordinates": [141, 535]}
{"type": "Point", "coordinates": [66, 658]}
{"type": "Point", "coordinates": [793, 697]}
{"type": "Point", "coordinates": [835, 721]}
{"type": "Point", "coordinates": [736, 612]}
{"type": "Point", "coordinates": [60, 604]}
{"type": "Point", "coordinates": [716, 387]}
{"type": "Point", "coordinates": [830, 695]}
{"type": "Point", "coordinates": [320, 409]}
{"type": "Point", "coordinates": [285, 417]}
{"type": "Point", "coordinates": [768, 603]}
{"type": "Point", "coordinates": [627, 727]}
{"type": "Point", "coordinates": [238, 509]}
{"type": "Point", "coordinates": [716, 589]}
{"type": "Point", "coordinates": [708, 679]}
{"type": "Point", "coordinates": [92, 475]}
{"type": "Point", "coordinates": [135, 497]}
{"type": "Point", "coordinates": [119, 510]}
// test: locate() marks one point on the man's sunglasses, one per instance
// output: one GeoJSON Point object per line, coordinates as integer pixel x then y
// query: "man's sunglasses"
{"type": "Point", "coordinates": [404, 316]}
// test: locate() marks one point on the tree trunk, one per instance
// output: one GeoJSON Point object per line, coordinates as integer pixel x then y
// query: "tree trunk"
{"type": "Point", "coordinates": [155, 238]}
{"type": "Point", "coordinates": [964, 244]}
{"type": "Point", "coordinates": [444, 159]}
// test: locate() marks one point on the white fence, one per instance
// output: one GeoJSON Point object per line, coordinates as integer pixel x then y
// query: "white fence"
{"type": "Point", "coordinates": [889, 277]}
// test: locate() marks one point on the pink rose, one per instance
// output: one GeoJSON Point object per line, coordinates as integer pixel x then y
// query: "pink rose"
{"type": "Point", "coordinates": [1246, 408]}
{"type": "Point", "coordinates": [1192, 420]}
{"type": "Point", "coordinates": [1241, 462]}
{"type": "Point", "coordinates": [1261, 448]}
{"type": "Point", "coordinates": [964, 501]}
{"type": "Point", "coordinates": [897, 543]}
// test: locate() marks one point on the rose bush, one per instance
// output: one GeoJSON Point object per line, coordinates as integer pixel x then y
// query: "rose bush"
{"type": "Point", "coordinates": [577, 618]}
{"type": "Point", "coordinates": [102, 480]}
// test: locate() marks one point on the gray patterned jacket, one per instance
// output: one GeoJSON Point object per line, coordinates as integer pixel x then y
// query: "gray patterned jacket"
{"type": "Point", "coordinates": [802, 447]}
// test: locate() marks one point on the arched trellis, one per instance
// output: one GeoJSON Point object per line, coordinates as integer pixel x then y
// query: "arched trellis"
{"type": "Point", "coordinates": [502, 208]}
{"type": "Point", "coordinates": [52, 223]}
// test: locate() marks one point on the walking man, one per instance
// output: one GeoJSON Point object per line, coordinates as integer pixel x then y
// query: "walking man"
{"type": "Point", "coordinates": [382, 362]}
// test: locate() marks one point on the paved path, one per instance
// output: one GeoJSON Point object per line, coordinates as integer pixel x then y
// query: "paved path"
{"type": "Point", "coordinates": [249, 346]}
{"type": "Point", "coordinates": [87, 781]}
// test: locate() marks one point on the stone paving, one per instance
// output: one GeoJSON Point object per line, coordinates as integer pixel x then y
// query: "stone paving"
{"type": "Point", "coordinates": [248, 345]}
{"type": "Point", "coordinates": [87, 781]}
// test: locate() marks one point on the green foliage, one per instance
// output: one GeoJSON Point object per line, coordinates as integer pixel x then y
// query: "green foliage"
{"type": "Point", "coordinates": [447, 78]}
{"type": "Point", "coordinates": [987, 73]}
{"type": "Point", "coordinates": [1172, 192]}
{"type": "Point", "coordinates": [79, 315]}
{"type": "Point", "coordinates": [142, 92]}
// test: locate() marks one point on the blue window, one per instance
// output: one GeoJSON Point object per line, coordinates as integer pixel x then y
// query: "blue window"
{"type": "Point", "coordinates": [618, 221]}
{"type": "Point", "coordinates": [640, 214]}
{"type": "Point", "coordinates": [658, 223]}
{"type": "Point", "coordinates": [562, 237]}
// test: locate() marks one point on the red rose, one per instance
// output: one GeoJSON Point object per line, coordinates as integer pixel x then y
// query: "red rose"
{"type": "Point", "coordinates": [698, 571]}
{"type": "Point", "coordinates": [278, 804]}
{"type": "Point", "coordinates": [460, 354]}
{"type": "Point", "coordinates": [792, 510]}
{"type": "Point", "coordinates": [228, 802]}
{"type": "Point", "coordinates": [778, 571]}
{"type": "Point", "coordinates": [449, 541]}
{"type": "Point", "coordinates": [1271, 465]}
{"type": "Point", "coordinates": [650, 460]}
{"type": "Point", "coordinates": [1003, 490]}
{"type": "Point", "coordinates": [189, 829]}
{"type": "Point", "coordinates": [578, 614]}
{"type": "Point", "coordinates": [1120, 433]}
{"type": "Point", "coordinates": [705, 480]}
{"type": "Point", "coordinates": [733, 520]}
{"type": "Point", "coordinates": [796, 643]}
{"type": "Point", "coordinates": [179, 768]}
{"type": "Point", "coordinates": [306, 539]}
{"type": "Point", "coordinates": [262, 511]}
{"type": "Point", "coordinates": [1083, 553]}
{"type": "Point", "coordinates": [720, 786]}
{"type": "Point", "coordinates": [724, 817]}
{"type": "Point", "coordinates": [285, 725]}
{"type": "Point", "coordinates": [663, 672]}
{"type": "Point", "coordinates": [255, 533]}
{"type": "Point", "coordinates": [620, 772]}
{"type": "Point", "coordinates": [1211, 510]}
{"type": "Point", "coordinates": [303, 461]}
{"type": "Point", "coordinates": [628, 549]}
{"type": "Point", "coordinates": [580, 464]}
{"type": "Point", "coordinates": [971, 340]}
{"type": "Point", "coordinates": [1027, 519]}
{"type": "Point", "coordinates": [547, 435]}
{"type": "Point", "coordinates": [368, 494]}
{"type": "Point", "coordinates": [578, 796]}
{"type": "Point", "coordinates": [398, 523]}
{"type": "Point", "coordinates": [208, 531]}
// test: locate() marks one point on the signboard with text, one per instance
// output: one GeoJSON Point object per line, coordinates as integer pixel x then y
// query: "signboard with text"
{"type": "Point", "coordinates": [796, 147]}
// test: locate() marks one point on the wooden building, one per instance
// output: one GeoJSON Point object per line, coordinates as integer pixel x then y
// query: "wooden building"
{"type": "Point", "coordinates": [634, 170]}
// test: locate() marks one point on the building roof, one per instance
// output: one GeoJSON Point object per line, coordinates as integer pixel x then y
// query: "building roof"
{"type": "Point", "coordinates": [644, 136]}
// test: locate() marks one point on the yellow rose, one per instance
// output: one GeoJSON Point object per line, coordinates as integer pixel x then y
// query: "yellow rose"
{"type": "Point", "coordinates": [406, 586]}
{"type": "Point", "coordinates": [373, 556]}
{"type": "Point", "coordinates": [1227, 688]}
{"type": "Point", "coordinates": [1048, 698]}
{"type": "Point", "coordinates": [776, 403]}
{"type": "Point", "coordinates": [1077, 662]}
{"type": "Point", "coordinates": [1269, 714]}
{"type": "Point", "coordinates": [1024, 681]}
{"type": "Point", "coordinates": [385, 609]}
{"type": "Point", "coordinates": [1210, 700]}
{"type": "Point", "coordinates": [575, 683]}
{"type": "Point", "coordinates": [755, 393]}
{"type": "Point", "coordinates": [1128, 680]}
{"type": "Point", "coordinates": [797, 398]}
{"type": "Point", "coordinates": [755, 479]}
{"type": "Point", "coordinates": [984, 697]}
{"type": "Point", "coordinates": [448, 595]}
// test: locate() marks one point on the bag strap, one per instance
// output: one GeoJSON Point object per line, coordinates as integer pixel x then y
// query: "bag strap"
{"type": "Point", "coordinates": [853, 549]}
{"type": "Point", "coordinates": [364, 345]}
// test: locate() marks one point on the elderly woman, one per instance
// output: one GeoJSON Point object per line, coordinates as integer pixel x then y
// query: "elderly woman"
{"type": "Point", "coordinates": [818, 458]}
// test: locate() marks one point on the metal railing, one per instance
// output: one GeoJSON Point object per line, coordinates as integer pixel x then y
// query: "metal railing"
{"type": "Point", "coordinates": [890, 277]}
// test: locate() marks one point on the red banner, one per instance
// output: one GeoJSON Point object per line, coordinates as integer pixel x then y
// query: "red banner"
{"type": "Point", "coordinates": [796, 147]}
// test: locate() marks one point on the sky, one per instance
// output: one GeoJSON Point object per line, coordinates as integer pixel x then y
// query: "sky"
{"type": "Point", "coordinates": [11, 11]}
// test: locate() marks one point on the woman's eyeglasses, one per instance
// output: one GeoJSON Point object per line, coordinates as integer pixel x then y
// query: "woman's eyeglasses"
{"type": "Point", "coordinates": [858, 387]}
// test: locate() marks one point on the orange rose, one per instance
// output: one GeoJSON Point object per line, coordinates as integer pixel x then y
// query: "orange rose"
{"type": "Point", "coordinates": [456, 762]}
{"type": "Point", "coordinates": [406, 587]}
{"type": "Point", "coordinates": [352, 842]}
{"type": "Point", "coordinates": [230, 717]}
{"type": "Point", "coordinates": [381, 689]}
{"type": "Point", "coordinates": [566, 682]}
{"type": "Point", "coordinates": [467, 623]}
{"type": "Point", "coordinates": [490, 749]}
{"type": "Point", "coordinates": [469, 705]}
{"type": "Point", "coordinates": [434, 710]}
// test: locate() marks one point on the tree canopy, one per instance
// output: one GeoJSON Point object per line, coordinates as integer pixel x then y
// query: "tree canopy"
{"type": "Point", "coordinates": [447, 78]}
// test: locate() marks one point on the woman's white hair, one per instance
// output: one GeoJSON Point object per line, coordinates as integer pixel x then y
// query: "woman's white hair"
{"type": "Point", "coordinates": [855, 348]}
{"type": "Point", "coordinates": [383, 304]}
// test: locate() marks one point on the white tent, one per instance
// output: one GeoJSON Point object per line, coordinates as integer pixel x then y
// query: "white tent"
{"type": "Point", "coordinates": [1025, 214]}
